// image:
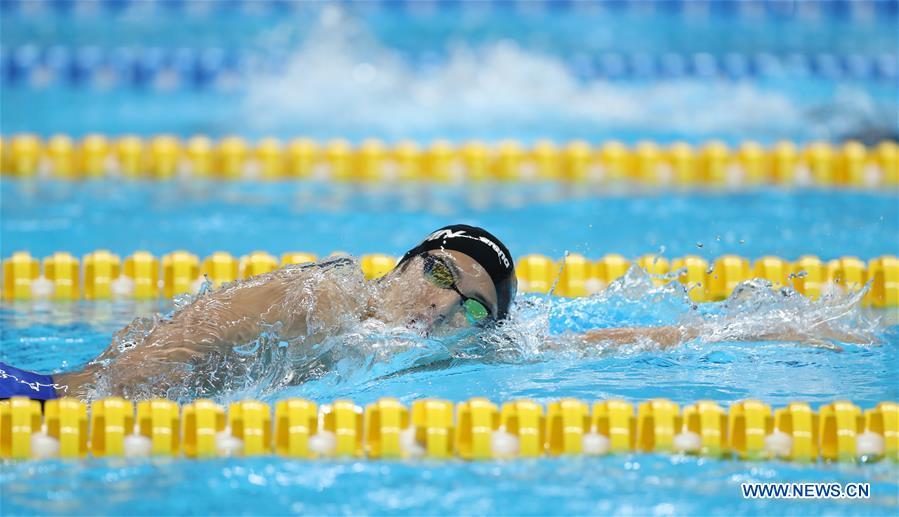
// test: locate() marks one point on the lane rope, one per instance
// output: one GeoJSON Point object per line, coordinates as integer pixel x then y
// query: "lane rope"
{"type": "Point", "coordinates": [102, 275]}
{"type": "Point", "coordinates": [809, 10]}
{"type": "Point", "coordinates": [713, 164]}
{"type": "Point", "coordinates": [165, 70]}
{"type": "Point", "coordinates": [476, 429]}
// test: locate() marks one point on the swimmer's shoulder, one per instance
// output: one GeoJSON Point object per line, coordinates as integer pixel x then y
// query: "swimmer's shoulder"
{"type": "Point", "coordinates": [291, 273]}
{"type": "Point", "coordinates": [328, 269]}
{"type": "Point", "coordinates": [322, 265]}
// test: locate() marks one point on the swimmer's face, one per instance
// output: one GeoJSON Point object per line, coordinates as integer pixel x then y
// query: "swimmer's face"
{"type": "Point", "coordinates": [409, 297]}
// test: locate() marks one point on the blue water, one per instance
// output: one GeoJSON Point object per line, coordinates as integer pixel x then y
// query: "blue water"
{"type": "Point", "coordinates": [620, 485]}
{"type": "Point", "coordinates": [623, 74]}
{"type": "Point", "coordinates": [627, 71]}
{"type": "Point", "coordinates": [53, 337]}
{"type": "Point", "coordinates": [79, 217]}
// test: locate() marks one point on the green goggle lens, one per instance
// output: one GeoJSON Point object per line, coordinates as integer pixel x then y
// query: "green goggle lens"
{"type": "Point", "coordinates": [439, 274]}
{"type": "Point", "coordinates": [475, 311]}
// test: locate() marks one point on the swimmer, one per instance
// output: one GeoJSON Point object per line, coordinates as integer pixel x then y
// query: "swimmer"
{"type": "Point", "coordinates": [459, 277]}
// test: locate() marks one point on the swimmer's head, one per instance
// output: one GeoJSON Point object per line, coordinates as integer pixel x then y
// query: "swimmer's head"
{"type": "Point", "coordinates": [458, 273]}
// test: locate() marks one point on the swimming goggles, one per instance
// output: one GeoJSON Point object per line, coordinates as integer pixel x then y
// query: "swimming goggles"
{"type": "Point", "coordinates": [441, 273]}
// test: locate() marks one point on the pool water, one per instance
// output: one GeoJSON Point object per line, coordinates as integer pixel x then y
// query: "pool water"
{"type": "Point", "coordinates": [620, 485]}
{"type": "Point", "coordinates": [596, 74]}
{"type": "Point", "coordinates": [628, 71]}
{"type": "Point", "coordinates": [45, 217]}
{"type": "Point", "coordinates": [125, 216]}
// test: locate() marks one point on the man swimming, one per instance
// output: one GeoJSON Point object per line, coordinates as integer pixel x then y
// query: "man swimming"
{"type": "Point", "coordinates": [459, 277]}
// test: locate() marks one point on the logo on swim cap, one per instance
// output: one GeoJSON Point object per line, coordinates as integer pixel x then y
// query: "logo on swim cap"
{"type": "Point", "coordinates": [449, 234]}
{"type": "Point", "coordinates": [446, 234]}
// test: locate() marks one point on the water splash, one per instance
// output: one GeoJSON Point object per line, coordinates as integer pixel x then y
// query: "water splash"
{"type": "Point", "coordinates": [349, 83]}
{"type": "Point", "coordinates": [755, 309]}
{"type": "Point", "coordinates": [351, 350]}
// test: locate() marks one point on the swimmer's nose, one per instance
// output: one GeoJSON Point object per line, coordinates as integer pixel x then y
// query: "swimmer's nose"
{"type": "Point", "coordinates": [434, 315]}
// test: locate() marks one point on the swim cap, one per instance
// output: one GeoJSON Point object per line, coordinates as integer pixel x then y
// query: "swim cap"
{"type": "Point", "coordinates": [485, 249]}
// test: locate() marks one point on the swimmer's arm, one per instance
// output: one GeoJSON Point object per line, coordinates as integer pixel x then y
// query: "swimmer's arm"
{"type": "Point", "coordinates": [669, 336]}
{"type": "Point", "coordinates": [211, 324]}
{"type": "Point", "coordinates": [237, 314]}
{"type": "Point", "coordinates": [665, 337]}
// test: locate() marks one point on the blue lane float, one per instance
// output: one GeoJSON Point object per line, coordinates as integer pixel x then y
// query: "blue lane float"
{"type": "Point", "coordinates": [773, 8]}
{"type": "Point", "coordinates": [201, 68]}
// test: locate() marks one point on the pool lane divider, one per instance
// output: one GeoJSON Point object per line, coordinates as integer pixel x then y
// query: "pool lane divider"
{"type": "Point", "coordinates": [476, 429]}
{"type": "Point", "coordinates": [810, 10]}
{"type": "Point", "coordinates": [191, 69]}
{"type": "Point", "coordinates": [864, 14]}
{"type": "Point", "coordinates": [712, 164]}
{"type": "Point", "coordinates": [102, 275]}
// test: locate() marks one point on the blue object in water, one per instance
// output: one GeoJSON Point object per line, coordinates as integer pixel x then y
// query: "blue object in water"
{"type": "Point", "coordinates": [86, 62]}
{"type": "Point", "coordinates": [148, 65]}
{"type": "Point", "coordinates": [210, 65]}
{"type": "Point", "coordinates": [15, 382]}
{"type": "Point", "coordinates": [22, 63]}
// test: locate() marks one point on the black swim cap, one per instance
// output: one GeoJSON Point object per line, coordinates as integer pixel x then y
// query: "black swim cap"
{"type": "Point", "coordinates": [485, 249]}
